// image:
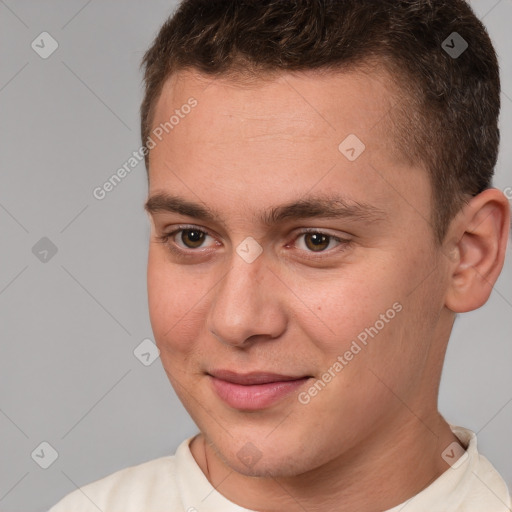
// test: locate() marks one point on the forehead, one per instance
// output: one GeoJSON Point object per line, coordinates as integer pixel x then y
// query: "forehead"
{"type": "Point", "coordinates": [304, 108]}
{"type": "Point", "coordinates": [281, 133]}
{"type": "Point", "coordinates": [320, 99]}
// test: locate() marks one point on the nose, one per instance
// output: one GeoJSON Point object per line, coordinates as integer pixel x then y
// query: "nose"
{"type": "Point", "coordinates": [246, 306]}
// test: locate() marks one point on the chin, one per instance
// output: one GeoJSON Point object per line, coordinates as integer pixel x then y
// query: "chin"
{"type": "Point", "coordinates": [268, 456]}
{"type": "Point", "coordinates": [277, 467]}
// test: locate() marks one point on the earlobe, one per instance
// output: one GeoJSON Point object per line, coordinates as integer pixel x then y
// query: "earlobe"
{"type": "Point", "coordinates": [482, 233]}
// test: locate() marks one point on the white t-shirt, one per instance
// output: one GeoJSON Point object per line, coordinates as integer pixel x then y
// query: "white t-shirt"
{"type": "Point", "coordinates": [177, 484]}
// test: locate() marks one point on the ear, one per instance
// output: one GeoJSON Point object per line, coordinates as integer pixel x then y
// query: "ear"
{"type": "Point", "coordinates": [480, 232]}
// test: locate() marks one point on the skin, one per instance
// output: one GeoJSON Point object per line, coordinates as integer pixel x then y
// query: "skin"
{"type": "Point", "coordinates": [243, 150]}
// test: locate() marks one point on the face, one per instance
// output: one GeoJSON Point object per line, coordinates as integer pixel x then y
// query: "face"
{"type": "Point", "coordinates": [295, 289]}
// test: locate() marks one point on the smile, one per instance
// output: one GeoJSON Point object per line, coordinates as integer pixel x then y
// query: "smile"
{"type": "Point", "coordinates": [253, 391]}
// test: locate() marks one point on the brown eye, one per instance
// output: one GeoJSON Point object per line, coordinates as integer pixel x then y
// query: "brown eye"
{"type": "Point", "coordinates": [192, 238]}
{"type": "Point", "coordinates": [316, 241]}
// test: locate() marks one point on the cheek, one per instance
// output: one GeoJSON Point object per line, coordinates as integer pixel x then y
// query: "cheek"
{"type": "Point", "coordinates": [174, 300]}
{"type": "Point", "coordinates": [354, 305]}
{"type": "Point", "coordinates": [368, 317]}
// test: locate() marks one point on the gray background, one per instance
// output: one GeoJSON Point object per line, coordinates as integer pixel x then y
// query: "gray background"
{"type": "Point", "coordinates": [69, 325]}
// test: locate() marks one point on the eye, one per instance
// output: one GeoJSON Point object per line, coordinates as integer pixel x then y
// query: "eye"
{"type": "Point", "coordinates": [186, 241]}
{"type": "Point", "coordinates": [192, 238]}
{"type": "Point", "coordinates": [319, 242]}
{"type": "Point", "coordinates": [185, 237]}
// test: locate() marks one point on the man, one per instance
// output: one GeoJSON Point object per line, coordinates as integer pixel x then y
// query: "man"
{"type": "Point", "coordinates": [321, 208]}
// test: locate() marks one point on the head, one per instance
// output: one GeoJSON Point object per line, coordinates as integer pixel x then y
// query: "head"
{"type": "Point", "coordinates": [321, 209]}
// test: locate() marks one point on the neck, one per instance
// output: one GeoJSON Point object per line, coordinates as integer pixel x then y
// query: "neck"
{"type": "Point", "coordinates": [395, 463]}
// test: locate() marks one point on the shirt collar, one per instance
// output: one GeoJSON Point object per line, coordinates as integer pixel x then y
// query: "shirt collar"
{"type": "Point", "coordinates": [445, 493]}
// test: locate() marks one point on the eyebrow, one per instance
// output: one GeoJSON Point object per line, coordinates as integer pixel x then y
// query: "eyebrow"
{"type": "Point", "coordinates": [314, 206]}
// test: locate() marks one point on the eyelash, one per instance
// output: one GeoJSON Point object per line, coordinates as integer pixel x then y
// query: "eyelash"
{"type": "Point", "coordinates": [164, 239]}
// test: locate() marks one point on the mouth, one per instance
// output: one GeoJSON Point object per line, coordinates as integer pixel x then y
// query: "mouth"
{"type": "Point", "coordinates": [253, 391]}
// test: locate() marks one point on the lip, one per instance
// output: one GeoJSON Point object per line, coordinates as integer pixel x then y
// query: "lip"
{"type": "Point", "coordinates": [253, 391]}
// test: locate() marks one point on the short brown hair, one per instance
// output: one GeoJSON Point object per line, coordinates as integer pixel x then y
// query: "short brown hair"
{"type": "Point", "coordinates": [453, 129]}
